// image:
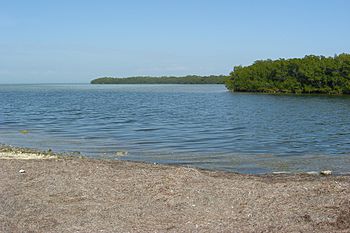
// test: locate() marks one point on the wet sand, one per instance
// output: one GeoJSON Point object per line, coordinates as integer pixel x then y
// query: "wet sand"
{"type": "Point", "coordinates": [67, 194]}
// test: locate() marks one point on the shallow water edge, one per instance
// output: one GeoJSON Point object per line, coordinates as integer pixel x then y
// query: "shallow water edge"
{"type": "Point", "coordinates": [12, 152]}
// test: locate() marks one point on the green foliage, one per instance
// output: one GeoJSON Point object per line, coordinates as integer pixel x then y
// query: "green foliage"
{"type": "Point", "coordinates": [311, 74]}
{"type": "Point", "coordinates": [189, 79]}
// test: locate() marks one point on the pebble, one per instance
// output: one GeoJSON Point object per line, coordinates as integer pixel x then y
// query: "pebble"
{"type": "Point", "coordinates": [22, 171]}
{"type": "Point", "coordinates": [326, 173]}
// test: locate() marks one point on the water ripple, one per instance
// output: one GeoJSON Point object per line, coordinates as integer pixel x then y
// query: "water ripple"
{"type": "Point", "coordinates": [199, 125]}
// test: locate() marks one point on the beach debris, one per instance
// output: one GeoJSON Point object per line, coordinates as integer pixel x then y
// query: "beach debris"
{"type": "Point", "coordinates": [281, 172]}
{"type": "Point", "coordinates": [326, 172]}
{"type": "Point", "coordinates": [121, 153]}
{"type": "Point", "coordinates": [312, 173]}
{"type": "Point", "coordinates": [22, 171]}
{"type": "Point", "coordinates": [24, 131]}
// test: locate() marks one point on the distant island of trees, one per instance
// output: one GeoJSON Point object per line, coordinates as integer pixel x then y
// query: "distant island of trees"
{"type": "Point", "coordinates": [189, 79]}
{"type": "Point", "coordinates": [311, 74]}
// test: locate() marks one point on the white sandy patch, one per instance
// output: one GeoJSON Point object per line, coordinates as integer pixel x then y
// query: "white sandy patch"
{"type": "Point", "coordinates": [12, 155]}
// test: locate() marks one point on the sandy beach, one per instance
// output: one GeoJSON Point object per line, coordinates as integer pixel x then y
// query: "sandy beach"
{"type": "Point", "coordinates": [43, 192]}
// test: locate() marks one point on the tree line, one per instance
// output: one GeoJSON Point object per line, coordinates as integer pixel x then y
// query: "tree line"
{"type": "Point", "coordinates": [311, 74]}
{"type": "Point", "coordinates": [189, 79]}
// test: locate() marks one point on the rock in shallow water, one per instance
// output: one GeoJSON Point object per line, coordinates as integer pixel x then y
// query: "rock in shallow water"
{"type": "Point", "coordinates": [326, 173]}
{"type": "Point", "coordinates": [121, 153]}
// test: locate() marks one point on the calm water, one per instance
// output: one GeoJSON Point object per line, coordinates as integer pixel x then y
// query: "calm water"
{"type": "Point", "coordinates": [198, 125]}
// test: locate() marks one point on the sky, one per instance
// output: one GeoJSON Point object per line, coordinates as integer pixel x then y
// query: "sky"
{"type": "Point", "coordinates": [77, 41]}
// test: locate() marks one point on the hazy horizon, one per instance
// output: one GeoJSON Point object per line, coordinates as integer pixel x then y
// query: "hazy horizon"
{"type": "Point", "coordinates": [75, 42]}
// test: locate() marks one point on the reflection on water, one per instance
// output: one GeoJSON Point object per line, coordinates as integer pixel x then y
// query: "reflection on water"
{"type": "Point", "coordinates": [199, 125]}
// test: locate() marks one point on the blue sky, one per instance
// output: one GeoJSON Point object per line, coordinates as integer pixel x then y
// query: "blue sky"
{"type": "Point", "coordinates": [76, 41]}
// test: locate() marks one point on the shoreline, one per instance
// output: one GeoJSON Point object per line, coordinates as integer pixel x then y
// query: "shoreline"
{"type": "Point", "coordinates": [14, 152]}
{"type": "Point", "coordinates": [57, 193]}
